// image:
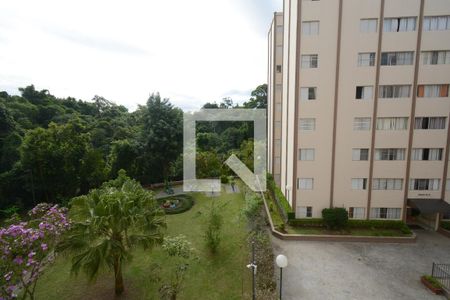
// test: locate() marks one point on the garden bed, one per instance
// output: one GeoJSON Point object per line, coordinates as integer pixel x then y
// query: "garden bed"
{"type": "Point", "coordinates": [176, 204]}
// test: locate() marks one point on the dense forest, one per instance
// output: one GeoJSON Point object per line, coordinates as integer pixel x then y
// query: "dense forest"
{"type": "Point", "coordinates": [52, 149]}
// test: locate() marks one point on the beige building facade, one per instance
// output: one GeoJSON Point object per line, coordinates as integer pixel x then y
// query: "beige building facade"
{"type": "Point", "coordinates": [358, 117]}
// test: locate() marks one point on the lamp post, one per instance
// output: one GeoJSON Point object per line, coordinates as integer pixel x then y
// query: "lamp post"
{"type": "Point", "coordinates": [253, 267]}
{"type": "Point", "coordinates": [282, 262]}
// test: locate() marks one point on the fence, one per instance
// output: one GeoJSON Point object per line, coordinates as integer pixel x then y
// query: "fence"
{"type": "Point", "coordinates": [442, 273]}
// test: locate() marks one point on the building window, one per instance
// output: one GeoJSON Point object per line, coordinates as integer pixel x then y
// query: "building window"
{"type": "Point", "coordinates": [304, 212]}
{"type": "Point", "coordinates": [397, 58]}
{"type": "Point", "coordinates": [308, 93]}
{"type": "Point", "coordinates": [427, 154]}
{"type": "Point", "coordinates": [387, 183]}
{"type": "Point", "coordinates": [430, 123]}
{"type": "Point", "coordinates": [310, 61]}
{"type": "Point", "coordinates": [368, 25]}
{"type": "Point", "coordinates": [366, 59]}
{"type": "Point", "coordinates": [424, 184]}
{"type": "Point", "coordinates": [308, 124]}
{"type": "Point", "coordinates": [305, 183]}
{"type": "Point", "coordinates": [279, 69]}
{"type": "Point", "coordinates": [360, 154]}
{"type": "Point", "coordinates": [361, 123]}
{"type": "Point", "coordinates": [392, 123]}
{"type": "Point", "coordinates": [394, 91]}
{"type": "Point", "coordinates": [279, 29]}
{"type": "Point", "coordinates": [436, 57]}
{"type": "Point", "coordinates": [432, 90]}
{"type": "Point", "coordinates": [359, 183]}
{"type": "Point", "coordinates": [436, 23]}
{"type": "Point", "coordinates": [390, 154]}
{"type": "Point", "coordinates": [356, 212]}
{"type": "Point", "coordinates": [364, 92]}
{"type": "Point", "coordinates": [399, 24]}
{"type": "Point", "coordinates": [310, 27]}
{"type": "Point", "coordinates": [385, 213]}
{"type": "Point", "coordinates": [306, 154]}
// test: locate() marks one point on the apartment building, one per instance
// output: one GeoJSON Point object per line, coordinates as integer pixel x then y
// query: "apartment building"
{"type": "Point", "coordinates": [275, 69]}
{"type": "Point", "coordinates": [364, 107]}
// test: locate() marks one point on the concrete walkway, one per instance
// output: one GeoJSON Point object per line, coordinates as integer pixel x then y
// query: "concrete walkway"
{"type": "Point", "coordinates": [342, 270]}
{"type": "Point", "coordinates": [178, 189]}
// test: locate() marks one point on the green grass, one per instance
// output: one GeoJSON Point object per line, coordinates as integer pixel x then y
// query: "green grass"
{"type": "Point", "coordinates": [223, 276]}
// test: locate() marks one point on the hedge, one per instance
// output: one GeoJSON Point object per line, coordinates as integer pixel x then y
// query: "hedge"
{"type": "Point", "coordinates": [445, 225]}
{"type": "Point", "coordinates": [279, 197]}
{"type": "Point", "coordinates": [378, 224]}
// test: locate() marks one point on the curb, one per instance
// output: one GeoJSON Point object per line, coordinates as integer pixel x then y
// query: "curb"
{"type": "Point", "coordinates": [335, 238]}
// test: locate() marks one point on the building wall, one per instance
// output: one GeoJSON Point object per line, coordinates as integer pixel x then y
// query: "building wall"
{"type": "Point", "coordinates": [338, 43]}
{"type": "Point", "coordinates": [274, 89]}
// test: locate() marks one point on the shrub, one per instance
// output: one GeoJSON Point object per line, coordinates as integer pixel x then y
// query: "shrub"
{"type": "Point", "coordinates": [434, 283]}
{"type": "Point", "coordinates": [252, 205]}
{"type": "Point", "coordinates": [224, 179]}
{"type": "Point", "coordinates": [445, 225]}
{"type": "Point", "coordinates": [335, 218]}
{"type": "Point", "coordinates": [213, 230]}
{"type": "Point", "coordinates": [311, 222]}
{"type": "Point", "coordinates": [280, 198]}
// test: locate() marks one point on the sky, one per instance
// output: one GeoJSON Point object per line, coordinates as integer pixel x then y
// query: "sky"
{"type": "Point", "coordinates": [192, 52]}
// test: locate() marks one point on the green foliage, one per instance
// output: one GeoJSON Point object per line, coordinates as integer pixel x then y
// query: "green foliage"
{"type": "Point", "coordinates": [161, 136]}
{"type": "Point", "coordinates": [108, 223]}
{"type": "Point", "coordinates": [208, 165]}
{"type": "Point", "coordinates": [280, 198]}
{"type": "Point", "coordinates": [223, 179]}
{"type": "Point", "coordinates": [433, 281]}
{"type": "Point", "coordinates": [213, 234]}
{"type": "Point", "coordinates": [252, 207]}
{"type": "Point", "coordinates": [335, 218]}
{"type": "Point", "coordinates": [259, 97]}
{"type": "Point", "coordinates": [313, 222]}
{"type": "Point", "coordinates": [178, 246]}
{"type": "Point", "coordinates": [445, 225]}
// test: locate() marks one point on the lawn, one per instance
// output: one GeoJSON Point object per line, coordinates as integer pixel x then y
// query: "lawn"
{"type": "Point", "coordinates": [223, 276]}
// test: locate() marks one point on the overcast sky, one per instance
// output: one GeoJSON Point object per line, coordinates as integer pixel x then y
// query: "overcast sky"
{"type": "Point", "coordinates": [191, 51]}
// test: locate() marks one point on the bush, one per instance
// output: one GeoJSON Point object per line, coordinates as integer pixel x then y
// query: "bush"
{"type": "Point", "coordinates": [307, 222]}
{"type": "Point", "coordinates": [280, 198]}
{"type": "Point", "coordinates": [445, 225]}
{"type": "Point", "coordinates": [335, 218]}
{"type": "Point", "coordinates": [213, 230]}
{"type": "Point", "coordinates": [252, 205]}
{"type": "Point", "coordinates": [434, 283]}
{"type": "Point", "coordinates": [224, 179]}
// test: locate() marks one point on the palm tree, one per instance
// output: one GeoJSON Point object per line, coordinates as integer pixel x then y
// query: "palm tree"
{"type": "Point", "coordinates": [108, 223]}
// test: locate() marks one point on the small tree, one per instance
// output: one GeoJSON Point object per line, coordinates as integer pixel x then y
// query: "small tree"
{"type": "Point", "coordinates": [27, 247]}
{"type": "Point", "coordinates": [109, 223]}
{"type": "Point", "coordinates": [335, 218]}
{"type": "Point", "coordinates": [213, 229]}
{"type": "Point", "coordinates": [179, 249]}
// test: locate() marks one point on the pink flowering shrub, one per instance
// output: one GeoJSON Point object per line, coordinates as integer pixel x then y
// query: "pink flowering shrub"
{"type": "Point", "coordinates": [26, 247]}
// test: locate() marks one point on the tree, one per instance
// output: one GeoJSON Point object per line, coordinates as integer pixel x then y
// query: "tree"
{"type": "Point", "coordinates": [108, 223]}
{"type": "Point", "coordinates": [213, 234]}
{"type": "Point", "coordinates": [162, 137]}
{"type": "Point", "coordinates": [59, 157]}
{"type": "Point", "coordinates": [259, 97]}
{"type": "Point", "coordinates": [27, 247]}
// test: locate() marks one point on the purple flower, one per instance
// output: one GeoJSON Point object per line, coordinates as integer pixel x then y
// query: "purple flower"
{"type": "Point", "coordinates": [44, 247]}
{"type": "Point", "coordinates": [18, 260]}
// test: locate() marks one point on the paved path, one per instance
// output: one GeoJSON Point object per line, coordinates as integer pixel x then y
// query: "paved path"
{"type": "Point", "coordinates": [178, 189]}
{"type": "Point", "coordinates": [340, 270]}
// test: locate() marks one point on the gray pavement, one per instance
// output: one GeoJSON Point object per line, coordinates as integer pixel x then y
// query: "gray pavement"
{"type": "Point", "coordinates": [342, 270]}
